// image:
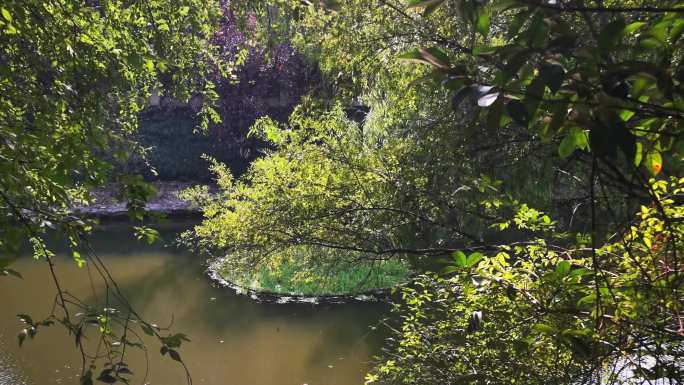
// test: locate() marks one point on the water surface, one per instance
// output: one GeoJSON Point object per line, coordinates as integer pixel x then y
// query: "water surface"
{"type": "Point", "coordinates": [234, 340]}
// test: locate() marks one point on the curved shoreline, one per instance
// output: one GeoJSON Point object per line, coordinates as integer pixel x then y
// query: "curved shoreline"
{"type": "Point", "coordinates": [261, 296]}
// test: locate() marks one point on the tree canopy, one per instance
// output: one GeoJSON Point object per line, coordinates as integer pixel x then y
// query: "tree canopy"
{"type": "Point", "coordinates": [523, 156]}
{"type": "Point", "coordinates": [74, 76]}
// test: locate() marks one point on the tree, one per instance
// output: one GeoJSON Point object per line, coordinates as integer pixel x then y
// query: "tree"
{"type": "Point", "coordinates": [583, 299]}
{"type": "Point", "coordinates": [73, 78]}
{"type": "Point", "coordinates": [267, 81]}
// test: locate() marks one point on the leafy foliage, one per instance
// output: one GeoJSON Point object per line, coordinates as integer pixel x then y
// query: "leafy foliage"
{"type": "Point", "coordinates": [621, 93]}
{"type": "Point", "coordinates": [469, 335]}
{"type": "Point", "coordinates": [595, 85]}
{"type": "Point", "coordinates": [73, 78]}
{"type": "Point", "coordinates": [251, 82]}
{"type": "Point", "coordinates": [327, 185]}
{"type": "Point", "coordinates": [596, 312]}
{"type": "Point", "coordinates": [266, 81]}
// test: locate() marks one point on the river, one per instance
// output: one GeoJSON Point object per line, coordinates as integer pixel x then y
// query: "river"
{"type": "Point", "coordinates": [234, 340]}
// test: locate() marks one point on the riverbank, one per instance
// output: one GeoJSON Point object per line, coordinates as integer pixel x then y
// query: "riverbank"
{"type": "Point", "coordinates": [167, 202]}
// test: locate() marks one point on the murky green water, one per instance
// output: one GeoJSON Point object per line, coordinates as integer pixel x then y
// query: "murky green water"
{"type": "Point", "coordinates": [234, 340]}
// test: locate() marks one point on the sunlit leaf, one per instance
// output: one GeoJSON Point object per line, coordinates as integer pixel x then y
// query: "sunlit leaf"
{"type": "Point", "coordinates": [654, 162]}
{"type": "Point", "coordinates": [460, 258]}
{"type": "Point", "coordinates": [6, 14]}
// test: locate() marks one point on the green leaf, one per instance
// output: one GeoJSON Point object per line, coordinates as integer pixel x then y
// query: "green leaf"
{"type": "Point", "coordinates": [650, 43]}
{"type": "Point", "coordinates": [538, 32]}
{"type": "Point", "coordinates": [484, 50]}
{"type": "Point", "coordinates": [659, 31]}
{"type": "Point", "coordinates": [473, 259]}
{"type": "Point", "coordinates": [518, 21]}
{"type": "Point", "coordinates": [567, 146]}
{"type": "Point", "coordinates": [677, 30]}
{"type": "Point", "coordinates": [453, 84]}
{"type": "Point", "coordinates": [654, 162]}
{"type": "Point", "coordinates": [482, 25]}
{"type": "Point", "coordinates": [149, 65]}
{"type": "Point", "coordinates": [626, 115]}
{"type": "Point", "coordinates": [512, 66]}
{"type": "Point", "coordinates": [576, 139]}
{"type": "Point", "coordinates": [639, 154]}
{"type": "Point", "coordinates": [563, 268]}
{"type": "Point", "coordinates": [586, 300]}
{"type": "Point", "coordinates": [534, 95]}
{"type": "Point", "coordinates": [10, 30]}
{"type": "Point", "coordinates": [6, 14]}
{"type": "Point", "coordinates": [633, 27]}
{"type": "Point", "coordinates": [559, 113]}
{"type": "Point", "coordinates": [543, 329]}
{"type": "Point", "coordinates": [412, 56]}
{"type": "Point", "coordinates": [460, 258]}
{"type": "Point", "coordinates": [580, 272]}
{"type": "Point", "coordinates": [80, 262]}
{"type": "Point", "coordinates": [146, 329]}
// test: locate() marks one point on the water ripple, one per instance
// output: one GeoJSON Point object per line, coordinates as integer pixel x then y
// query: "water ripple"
{"type": "Point", "coordinates": [8, 371]}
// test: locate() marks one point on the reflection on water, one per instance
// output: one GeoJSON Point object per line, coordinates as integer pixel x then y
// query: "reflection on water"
{"type": "Point", "coordinates": [234, 340]}
{"type": "Point", "coordinates": [8, 370]}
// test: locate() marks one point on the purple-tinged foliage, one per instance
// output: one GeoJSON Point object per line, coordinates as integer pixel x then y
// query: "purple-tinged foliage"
{"type": "Point", "coordinates": [270, 82]}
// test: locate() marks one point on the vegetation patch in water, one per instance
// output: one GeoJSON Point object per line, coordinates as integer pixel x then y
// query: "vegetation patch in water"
{"type": "Point", "coordinates": [288, 274]}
